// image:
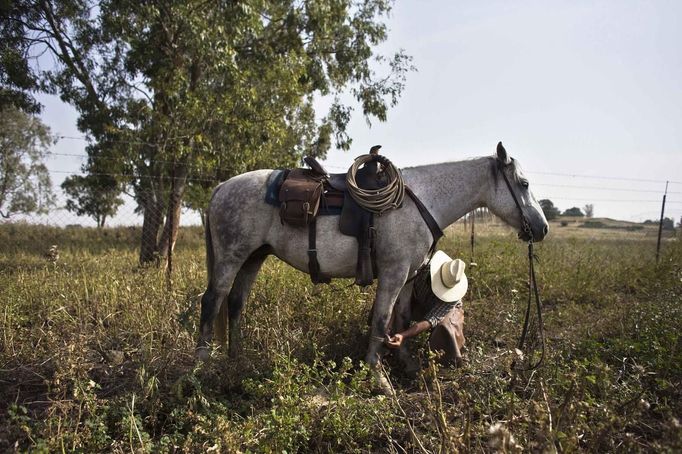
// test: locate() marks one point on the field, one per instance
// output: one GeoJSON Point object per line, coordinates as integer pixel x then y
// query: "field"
{"type": "Point", "coordinates": [97, 355]}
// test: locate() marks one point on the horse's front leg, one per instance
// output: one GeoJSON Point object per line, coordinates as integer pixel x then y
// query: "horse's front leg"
{"type": "Point", "coordinates": [389, 287]}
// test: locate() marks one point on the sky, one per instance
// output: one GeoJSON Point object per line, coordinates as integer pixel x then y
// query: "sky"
{"type": "Point", "coordinates": [572, 89]}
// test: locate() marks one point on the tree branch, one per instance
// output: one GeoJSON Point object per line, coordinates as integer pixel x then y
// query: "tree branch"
{"type": "Point", "coordinates": [70, 56]}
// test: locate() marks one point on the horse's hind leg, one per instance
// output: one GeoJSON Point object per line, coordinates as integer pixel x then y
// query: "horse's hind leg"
{"type": "Point", "coordinates": [223, 276]}
{"type": "Point", "coordinates": [235, 302]}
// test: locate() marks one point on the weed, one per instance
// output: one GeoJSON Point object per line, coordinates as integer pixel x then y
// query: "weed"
{"type": "Point", "coordinates": [96, 354]}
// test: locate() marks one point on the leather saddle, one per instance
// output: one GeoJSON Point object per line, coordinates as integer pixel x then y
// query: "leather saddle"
{"type": "Point", "coordinates": [355, 221]}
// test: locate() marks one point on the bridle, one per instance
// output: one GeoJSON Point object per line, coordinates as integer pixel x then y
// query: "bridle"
{"type": "Point", "coordinates": [532, 282]}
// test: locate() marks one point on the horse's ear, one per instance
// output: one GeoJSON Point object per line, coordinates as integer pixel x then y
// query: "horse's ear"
{"type": "Point", "coordinates": [502, 155]}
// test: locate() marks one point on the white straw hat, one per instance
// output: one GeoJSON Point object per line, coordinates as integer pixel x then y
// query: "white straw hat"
{"type": "Point", "coordinates": [448, 281]}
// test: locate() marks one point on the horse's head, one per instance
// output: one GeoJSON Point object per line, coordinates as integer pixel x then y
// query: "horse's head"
{"type": "Point", "coordinates": [510, 198]}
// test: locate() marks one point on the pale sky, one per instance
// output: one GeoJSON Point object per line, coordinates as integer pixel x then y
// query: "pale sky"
{"type": "Point", "coordinates": [569, 87]}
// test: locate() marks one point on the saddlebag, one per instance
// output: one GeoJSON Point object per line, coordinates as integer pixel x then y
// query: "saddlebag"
{"type": "Point", "coordinates": [299, 197]}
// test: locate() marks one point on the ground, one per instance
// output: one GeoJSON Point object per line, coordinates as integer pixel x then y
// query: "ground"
{"type": "Point", "coordinates": [96, 353]}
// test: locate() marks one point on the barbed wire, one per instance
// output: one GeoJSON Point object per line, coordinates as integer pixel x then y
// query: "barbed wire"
{"type": "Point", "coordinates": [570, 175]}
{"type": "Point", "coordinates": [610, 200]}
{"type": "Point", "coordinates": [128, 175]}
{"type": "Point", "coordinates": [603, 188]}
{"type": "Point", "coordinates": [603, 177]}
{"type": "Point", "coordinates": [596, 188]}
{"type": "Point", "coordinates": [216, 181]}
{"type": "Point", "coordinates": [127, 142]}
{"type": "Point", "coordinates": [573, 175]}
{"type": "Point", "coordinates": [110, 158]}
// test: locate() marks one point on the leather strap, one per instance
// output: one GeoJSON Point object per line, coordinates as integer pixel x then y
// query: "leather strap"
{"type": "Point", "coordinates": [436, 232]}
{"type": "Point", "coordinates": [313, 264]}
{"type": "Point", "coordinates": [525, 225]}
{"type": "Point", "coordinates": [532, 281]}
{"type": "Point", "coordinates": [533, 292]}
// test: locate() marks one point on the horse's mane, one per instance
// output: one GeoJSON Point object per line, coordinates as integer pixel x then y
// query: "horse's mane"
{"type": "Point", "coordinates": [493, 164]}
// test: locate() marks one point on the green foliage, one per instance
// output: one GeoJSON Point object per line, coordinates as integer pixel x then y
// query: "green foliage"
{"type": "Point", "coordinates": [169, 90]}
{"type": "Point", "coordinates": [575, 211]}
{"type": "Point", "coordinates": [548, 208]}
{"type": "Point", "coordinates": [97, 356]}
{"type": "Point", "coordinates": [92, 195]}
{"type": "Point", "coordinates": [17, 78]}
{"type": "Point", "coordinates": [668, 223]}
{"type": "Point", "coordinates": [25, 185]}
{"type": "Point", "coordinates": [592, 224]}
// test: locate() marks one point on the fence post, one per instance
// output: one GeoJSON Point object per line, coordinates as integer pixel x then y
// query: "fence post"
{"type": "Point", "coordinates": [660, 223]}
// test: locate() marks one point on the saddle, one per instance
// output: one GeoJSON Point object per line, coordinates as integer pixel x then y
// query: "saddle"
{"type": "Point", "coordinates": [305, 194]}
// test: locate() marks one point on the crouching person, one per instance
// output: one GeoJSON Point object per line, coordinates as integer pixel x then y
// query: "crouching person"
{"type": "Point", "coordinates": [436, 305]}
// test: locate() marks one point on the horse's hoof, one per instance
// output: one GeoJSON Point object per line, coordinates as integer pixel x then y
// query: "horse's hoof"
{"type": "Point", "coordinates": [202, 353]}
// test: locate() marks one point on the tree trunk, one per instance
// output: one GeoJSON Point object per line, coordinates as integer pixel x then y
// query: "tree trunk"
{"type": "Point", "coordinates": [171, 228]}
{"type": "Point", "coordinates": [152, 204]}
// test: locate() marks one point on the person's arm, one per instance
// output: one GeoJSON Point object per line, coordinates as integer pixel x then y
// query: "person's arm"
{"type": "Point", "coordinates": [434, 317]}
{"type": "Point", "coordinates": [397, 340]}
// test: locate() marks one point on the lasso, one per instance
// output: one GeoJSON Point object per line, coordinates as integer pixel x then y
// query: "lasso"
{"type": "Point", "coordinates": [379, 200]}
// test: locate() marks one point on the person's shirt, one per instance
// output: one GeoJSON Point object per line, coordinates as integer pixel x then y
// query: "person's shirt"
{"type": "Point", "coordinates": [427, 302]}
{"type": "Point", "coordinates": [439, 311]}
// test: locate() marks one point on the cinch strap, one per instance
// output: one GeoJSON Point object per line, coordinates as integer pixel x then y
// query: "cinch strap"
{"type": "Point", "coordinates": [313, 264]}
{"type": "Point", "coordinates": [436, 232]}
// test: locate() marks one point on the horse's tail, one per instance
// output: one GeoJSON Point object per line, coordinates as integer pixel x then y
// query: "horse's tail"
{"type": "Point", "coordinates": [210, 254]}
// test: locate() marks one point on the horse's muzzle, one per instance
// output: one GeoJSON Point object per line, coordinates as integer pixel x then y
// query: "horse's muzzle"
{"type": "Point", "coordinates": [524, 236]}
{"type": "Point", "coordinates": [536, 236]}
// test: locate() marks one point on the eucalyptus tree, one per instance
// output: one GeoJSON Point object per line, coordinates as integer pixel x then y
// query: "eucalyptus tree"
{"type": "Point", "coordinates": [18, 81]}
{"type": "Point", "coordinates": [174, 93]}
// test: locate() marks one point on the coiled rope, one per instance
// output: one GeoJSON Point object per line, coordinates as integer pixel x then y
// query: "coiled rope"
{"type": "Point", "coordinates": [379, 200]}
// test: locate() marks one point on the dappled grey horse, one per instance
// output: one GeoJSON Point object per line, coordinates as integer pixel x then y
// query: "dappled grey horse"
{"type": "Point", "coordinates": [242, 230]}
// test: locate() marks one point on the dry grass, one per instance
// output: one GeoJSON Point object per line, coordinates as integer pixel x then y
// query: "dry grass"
{"type": "Point", "coordinates": [96, 355]}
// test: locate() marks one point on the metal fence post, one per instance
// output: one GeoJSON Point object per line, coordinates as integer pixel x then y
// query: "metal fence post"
{"type": "Point", "coordinates": [660, 223]}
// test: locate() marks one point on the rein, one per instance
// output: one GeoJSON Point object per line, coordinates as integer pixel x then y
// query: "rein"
{"type": "Point", "coordinates": [532, 282]}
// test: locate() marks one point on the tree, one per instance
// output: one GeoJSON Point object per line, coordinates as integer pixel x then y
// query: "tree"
{"type": "Point", "coordinates": [551, 212]}
{"type": "Point", "coordinates": [96, 196]}
{"type": "Point", "coordinates": [668, 224]}
{"type": "Point", "coordinates": [173, 91]}
{"type": "Point", "coordinates": [17, 79]}
{"type": "Point", "coordinates": [589, 210]}
{"type": "Point", "coordinates": [575, 211]}
{"type": "Point", "coordinates": [25, 185]}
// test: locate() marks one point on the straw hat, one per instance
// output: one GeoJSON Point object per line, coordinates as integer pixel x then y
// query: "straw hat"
{"type": "Point", "coordinates": [448, 281]}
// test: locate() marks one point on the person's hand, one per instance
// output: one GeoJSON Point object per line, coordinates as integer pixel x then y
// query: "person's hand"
{"type": "Point", "coordinates": [394, 341]}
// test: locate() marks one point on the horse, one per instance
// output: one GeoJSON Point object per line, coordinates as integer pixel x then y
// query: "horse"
{"type": "Point", "coordinates": [242, 230]}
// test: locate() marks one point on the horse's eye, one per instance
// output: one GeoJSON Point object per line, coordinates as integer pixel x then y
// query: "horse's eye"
{"type": "Point", "coordinates": [524, 183]}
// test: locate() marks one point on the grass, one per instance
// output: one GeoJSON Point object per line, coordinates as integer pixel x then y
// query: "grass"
{"type": "Point", "coordinates": [96, 354]}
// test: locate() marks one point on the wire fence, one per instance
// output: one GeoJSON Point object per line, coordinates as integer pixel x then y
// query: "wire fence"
{"type": "Point", "coordinates": [137, 219]}
{"type": "Point", "coordinates": [135, 222]}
